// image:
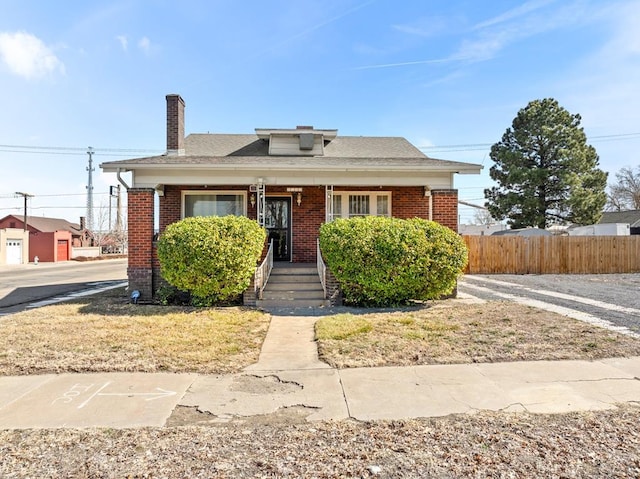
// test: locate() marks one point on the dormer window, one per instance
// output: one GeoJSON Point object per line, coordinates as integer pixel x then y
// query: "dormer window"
{"type": "Point", "coordinates": [301, 141]}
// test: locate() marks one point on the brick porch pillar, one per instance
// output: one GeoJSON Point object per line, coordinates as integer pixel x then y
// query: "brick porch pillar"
{"type": "Point", "coordinates": [445, 208]}
{"type": "Point", "coordinates": [140, 225]}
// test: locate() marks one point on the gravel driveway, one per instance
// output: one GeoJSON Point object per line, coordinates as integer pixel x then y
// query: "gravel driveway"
{"type": "Point", "coordinates": [611, 297]}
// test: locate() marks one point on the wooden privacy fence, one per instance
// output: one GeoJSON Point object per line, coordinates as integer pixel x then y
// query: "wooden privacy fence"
{"type": "Point", "coordinates": [553, 254]}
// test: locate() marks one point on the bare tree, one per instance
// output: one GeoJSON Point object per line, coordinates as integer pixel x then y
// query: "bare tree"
{"type": "Point", "coordinates": [483, 217]}
{"type": "Point", "coordinates": [624, 194]}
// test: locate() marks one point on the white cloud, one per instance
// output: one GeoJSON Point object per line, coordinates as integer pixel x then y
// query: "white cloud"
{"type": "Point", "coordinates": [514, 13]}
{"type": "Point", "coordinates": [27, 56]}
{"type": "Point", "coordinates": [144, 44]}
{"type": "Point", "coordinates": [425, 27]}
{"type": "Point", "coordinates": [124, 42]}
{"type": "Point", "coordinates": [518, 24]}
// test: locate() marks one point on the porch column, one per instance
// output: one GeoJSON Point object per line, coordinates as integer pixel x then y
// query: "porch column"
{"type": "Point", "coordinates": [445, 208]}
{"type": "Point", "coordinates": [140, 231]}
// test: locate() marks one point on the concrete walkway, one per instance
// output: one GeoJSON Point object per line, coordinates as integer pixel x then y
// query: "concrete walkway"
{"type": "Point", "coordinates": [289, 378]}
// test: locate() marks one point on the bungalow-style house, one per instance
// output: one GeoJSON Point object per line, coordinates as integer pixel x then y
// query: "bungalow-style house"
{"type": "Point", "coordinates": [50, 239]}
{"type": "Point", "coordinates": [289, 180]}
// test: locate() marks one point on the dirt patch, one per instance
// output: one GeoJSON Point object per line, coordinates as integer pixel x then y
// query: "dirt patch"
{"type": "Point", "coordinates": [499, 445]}
{"type": "Point", "coordinates": [263, 385]}
{"type": "Point", "coordinates": [192, 416]}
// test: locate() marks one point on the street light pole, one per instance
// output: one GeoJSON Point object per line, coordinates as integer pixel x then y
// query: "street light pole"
{"type": "Point", "coordinates": [26, 196]}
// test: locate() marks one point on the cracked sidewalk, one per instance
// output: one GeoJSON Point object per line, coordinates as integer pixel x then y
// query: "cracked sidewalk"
{"type": "Point", "coordinates": [289, 383]}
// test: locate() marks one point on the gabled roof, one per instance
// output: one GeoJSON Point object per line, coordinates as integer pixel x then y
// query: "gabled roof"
{"type": "Point", "coordinates": [48, 225]}
{"type": "Point", "coordinates": [218, 151]}
{"type": "Point", "coordinates": [632, 217]}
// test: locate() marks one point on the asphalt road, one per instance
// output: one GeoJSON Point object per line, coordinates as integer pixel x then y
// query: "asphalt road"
{"type": "Point", "coordinates": [614, 298]}
{"type": "Point", "coordinates": [21, 285]}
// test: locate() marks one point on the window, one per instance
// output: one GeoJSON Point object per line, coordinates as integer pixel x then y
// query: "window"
{"type": "Point", "coordinates": [362, 203]}
{"type": "Point", "coordinates": [215, 203]}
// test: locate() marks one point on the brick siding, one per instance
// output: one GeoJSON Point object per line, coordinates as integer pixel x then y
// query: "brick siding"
{"type": "Point", "coordinates": [445, 208]}
{"type": "Point", "coordinates": [140, 219]}
{"type": "Point", "coordinates": [144, 269]}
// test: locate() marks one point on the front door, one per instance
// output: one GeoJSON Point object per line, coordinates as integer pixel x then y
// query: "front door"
{"type": "Point", "coordinates": [277, 221]}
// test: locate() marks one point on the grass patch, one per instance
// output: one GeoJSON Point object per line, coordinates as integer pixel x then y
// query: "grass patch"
{"type": "Point", "coordinates": [105, 333]}
{"type": "Point", "coordinates": [450, 333]}
{"type": "Point", "coordinates": [342, 326]}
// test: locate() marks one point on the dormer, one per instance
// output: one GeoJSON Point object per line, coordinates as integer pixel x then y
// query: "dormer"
{"type": "Point", "coordinates": [303, 141]}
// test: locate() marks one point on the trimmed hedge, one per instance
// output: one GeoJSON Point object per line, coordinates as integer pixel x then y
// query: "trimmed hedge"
{"type": "Point", "coordinates": [381, 261]}
{"type": "Point", "coordinates": [213, 258]}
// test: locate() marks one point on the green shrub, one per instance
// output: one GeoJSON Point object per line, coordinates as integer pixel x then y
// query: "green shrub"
{"type": "Point", "coordinates": [213, 258]}
{"type": "Point", "coordinates": [381, 261]}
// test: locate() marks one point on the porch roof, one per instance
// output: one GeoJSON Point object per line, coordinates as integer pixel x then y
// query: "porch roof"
{"type": "Point", "coordinates": [287, 163]}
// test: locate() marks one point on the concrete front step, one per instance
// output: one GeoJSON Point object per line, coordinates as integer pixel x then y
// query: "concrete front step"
{"type": "Point", "coordinates": [289, 278]}
{"type": "Point", "coordinates": [295, 270]}
{"type": "Point", "coordinates": [290, 303]}
{"type": "Point", "coordinates": [291, 286]}
{"type": "Point", "coordinates": [293, 294]}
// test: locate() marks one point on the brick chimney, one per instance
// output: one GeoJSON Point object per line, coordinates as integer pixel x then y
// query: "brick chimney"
{"type": "Point", "coordinates": [83, 223]}
{"type": "Point", "coordinates": [175, 125]}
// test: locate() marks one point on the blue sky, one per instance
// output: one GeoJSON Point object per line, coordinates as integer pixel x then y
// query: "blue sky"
{"type": "Point", "coordinates": [443, 74]}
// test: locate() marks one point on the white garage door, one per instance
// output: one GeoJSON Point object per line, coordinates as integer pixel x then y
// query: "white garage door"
{"type": "Point", "coordinates": [14, 251]}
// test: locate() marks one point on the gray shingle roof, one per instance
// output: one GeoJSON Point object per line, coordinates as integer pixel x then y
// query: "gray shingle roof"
{"type": "Point", "coordinates": [248, 152]}
{"type": "Point", "coordinates": [632, 217]}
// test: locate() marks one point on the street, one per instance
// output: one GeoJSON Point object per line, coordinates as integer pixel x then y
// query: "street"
{"type": "Point", "coordinates": [610, 298]}
{"type": "Point", "coordinates": [23, 284]}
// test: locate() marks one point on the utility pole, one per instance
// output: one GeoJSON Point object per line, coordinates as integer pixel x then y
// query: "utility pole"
{"type": "Point", "coordinates": [26, 196]}
{"type": "Point", "coordinates": [90, 169]}
{"type": "Point", "coordinates": [118, 211]}
{"type": "Point", "coordinates": [111, 195]}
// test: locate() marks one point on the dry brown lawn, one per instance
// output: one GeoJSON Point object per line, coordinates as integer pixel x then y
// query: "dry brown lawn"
{"type": "Point", "coordinates": [105, 333]}
{"type": "Point", "coordinates": [451, 332]}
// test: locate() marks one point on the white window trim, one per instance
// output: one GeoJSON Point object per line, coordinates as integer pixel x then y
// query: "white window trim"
{"type": "Point", "coordinates": [185, 193]}
{"type": "Point", "coordinates": [373, 202]}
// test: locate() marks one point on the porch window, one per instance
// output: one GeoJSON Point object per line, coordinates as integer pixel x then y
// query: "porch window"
{"type": "Point", "coordinates": [361, 203]}
{"type": "Point", "coordinates": [214, 203]}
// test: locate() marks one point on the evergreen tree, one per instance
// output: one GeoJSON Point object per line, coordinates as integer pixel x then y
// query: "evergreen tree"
{"type": "Point", "coordinates": [545, 170]}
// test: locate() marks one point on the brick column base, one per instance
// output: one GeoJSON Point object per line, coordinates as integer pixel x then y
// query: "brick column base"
{"type": "Point", "coordinates": [334, 295]}
{"type": "Point", "coordinates": [142, 280]}
{"type": "Point", "coordinates": [249, 295]}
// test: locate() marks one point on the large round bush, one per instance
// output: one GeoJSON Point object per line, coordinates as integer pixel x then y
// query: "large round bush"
{"type": "Point", "coordinates": [211, 257]}
{"type": "Point", "coordinates": [381, 261]}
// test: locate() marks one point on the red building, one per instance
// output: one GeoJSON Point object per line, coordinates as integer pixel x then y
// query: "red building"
{"type": "Point", "coordinates": [50, 239]}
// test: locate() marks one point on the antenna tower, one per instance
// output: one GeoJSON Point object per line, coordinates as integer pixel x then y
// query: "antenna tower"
{"type": "Point", "coordinates": [90, 169]}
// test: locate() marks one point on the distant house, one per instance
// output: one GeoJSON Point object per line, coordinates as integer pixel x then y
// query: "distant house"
{"type": "Point", "coordinates": [50, 239]}
{"type": "Point", "coordinates": [523, 232]}
{"type": "Point", "coordinates": [632, 217]}
{"type": "Point", "coordinates": [481, 230]}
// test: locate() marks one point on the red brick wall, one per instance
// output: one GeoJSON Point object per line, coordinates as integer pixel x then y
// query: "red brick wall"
{"type": "Point", "coordinates": [406, 202]}
{"type": "Point", "coordinates": [140, 203]}
{"type": "Point", "coordinates": [305, 219]}
{"type": "Point", "coordinates": [445, 208]}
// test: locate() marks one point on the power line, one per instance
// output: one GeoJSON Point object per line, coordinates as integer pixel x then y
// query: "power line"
{"type": "Point", "coordinates": [483, 146]}
{"type": "Point", "coordinates": [75, 148]}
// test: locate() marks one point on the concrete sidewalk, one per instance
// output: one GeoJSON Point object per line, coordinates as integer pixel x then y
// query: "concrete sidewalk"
{"type": "Point", "coordinates": [289, 376]}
